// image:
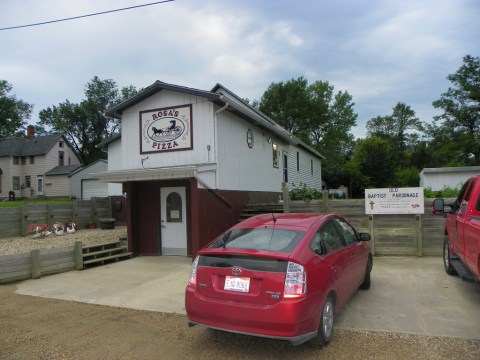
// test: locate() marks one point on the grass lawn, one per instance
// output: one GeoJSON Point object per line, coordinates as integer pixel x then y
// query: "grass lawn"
{"type": "Point", "coordinates": [18, 203]}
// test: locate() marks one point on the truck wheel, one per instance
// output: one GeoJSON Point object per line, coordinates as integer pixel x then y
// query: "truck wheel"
{"type": "Point", "coordinates": [446, 258]}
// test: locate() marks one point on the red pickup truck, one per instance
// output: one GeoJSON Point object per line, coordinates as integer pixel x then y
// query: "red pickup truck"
{"type": "Point", "coordinates": [461, 249]}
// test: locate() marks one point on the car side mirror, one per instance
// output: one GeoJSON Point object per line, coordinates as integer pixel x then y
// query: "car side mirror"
{"type": "Point", "coordinates": [365, 237]}
{"type": "Point", "coordinates": [438, 207]}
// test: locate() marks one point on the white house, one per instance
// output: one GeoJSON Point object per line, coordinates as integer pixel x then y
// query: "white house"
{"type": "Point", "coordinates": [449, 177]}
{"type": "Point", "coordinates": [189, 160]}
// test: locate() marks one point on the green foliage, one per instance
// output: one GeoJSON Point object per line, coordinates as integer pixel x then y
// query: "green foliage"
{"type": "Point", "coordinates": [14, 113]}
{"type": "Point", "coordinates": [85, 124]}
{"type": "Point", "coordinates": [446, 192]}
{"type": "Point", "coordinates": [459, 125]}
{"type": "Point", "coordinates": [304, 193]}
{"type": "Point", "coordinates": [409, 177]}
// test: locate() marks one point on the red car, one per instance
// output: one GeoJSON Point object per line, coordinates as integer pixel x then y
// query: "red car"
{"type": "Point", "coordinates": [280, 276]}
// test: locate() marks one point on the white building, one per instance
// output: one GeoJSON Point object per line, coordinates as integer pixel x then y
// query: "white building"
{"type": "Point", "coordinates": [189, 160]}
{"type": "Point", "coordinates": [447, 177]}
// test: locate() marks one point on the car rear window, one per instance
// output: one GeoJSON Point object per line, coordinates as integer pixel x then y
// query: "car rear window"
{"type": "Point", "coordinates": [260, 239]}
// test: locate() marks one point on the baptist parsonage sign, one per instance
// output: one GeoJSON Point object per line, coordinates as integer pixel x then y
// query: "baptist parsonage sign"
{"type": "Point", "coordinates": [394, 201]}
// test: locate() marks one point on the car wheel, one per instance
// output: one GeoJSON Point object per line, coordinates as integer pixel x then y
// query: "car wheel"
{"type": "Point", "coordinates": [447, 258]}
{"type": "Point", "coordinates": [327, 317]}
{"type": "Point", "coordinates": [366, 281]}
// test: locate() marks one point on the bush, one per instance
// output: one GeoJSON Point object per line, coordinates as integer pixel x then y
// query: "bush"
{"type": "Point", "coordinates": [446, 192]}
{"type": "Point", "coordinates": [305, 193]}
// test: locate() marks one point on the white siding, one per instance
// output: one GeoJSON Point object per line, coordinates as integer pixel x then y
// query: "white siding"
{"type": "Point", "coordinates": [202, 127]}
{"type": "Point", "coordinates": [241, 167]}
{"type": "Point", "coordinates": [304, 174]}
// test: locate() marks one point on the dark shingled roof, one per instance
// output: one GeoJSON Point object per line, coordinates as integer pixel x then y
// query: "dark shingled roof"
{"type": "Point", "coordinates": [62, 170]}
{"type": "Point", "coordinates": [27, 147]}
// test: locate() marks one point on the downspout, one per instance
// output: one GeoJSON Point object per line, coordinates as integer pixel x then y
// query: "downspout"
{"type": "Point", "coordinates": [215, 136]}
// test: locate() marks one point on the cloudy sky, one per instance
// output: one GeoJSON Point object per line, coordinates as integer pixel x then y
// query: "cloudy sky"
{"type": "Point", "coordinates": [380, 51]}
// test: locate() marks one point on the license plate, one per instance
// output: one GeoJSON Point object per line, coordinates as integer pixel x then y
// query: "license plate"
{"type": "Point", "coordinates": [240, 284]}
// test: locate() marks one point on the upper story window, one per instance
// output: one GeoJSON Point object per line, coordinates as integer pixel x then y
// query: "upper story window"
{"type": "Point", "coordinates": [311, 167]}
{"type": "Point", "coordinates": [16, 160]}
{"type": "Point", "coordinates": [60, 144]}
{"type": "Point", "coordinates": [24, 160]}
{"type": "Point", "coordinates": [298, 161]}
{"type": "Point", "coordinates": [32, 159]}
{"type": "Point", "coordinates": [275, 155]}
{"type": "Point", "coordinates": [61, 158]}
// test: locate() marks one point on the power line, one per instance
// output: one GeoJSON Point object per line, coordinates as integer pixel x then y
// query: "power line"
{"type": "Point", "coordinates": [84, 16]}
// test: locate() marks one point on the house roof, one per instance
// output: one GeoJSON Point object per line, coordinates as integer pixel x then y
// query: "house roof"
{"type": "Point", "coordinates": [62, 170]}
{"type": "Point", "coordinates": [81, 168]}
{"type": "Point", "coordinates": [221, 96]}
{"type": "Point", "coordinates": [38, 145]}
{"type": "Point", "coordinates": [157, 86]}
{"type": "Point", "coordinates": [451, 170]}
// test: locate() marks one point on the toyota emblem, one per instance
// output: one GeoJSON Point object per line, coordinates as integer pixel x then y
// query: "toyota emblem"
{"type": "Point", "coordinates": [236, 271]}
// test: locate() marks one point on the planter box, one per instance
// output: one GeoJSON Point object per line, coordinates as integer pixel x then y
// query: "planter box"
{"type": "Point", "coordinates": [107, 225]}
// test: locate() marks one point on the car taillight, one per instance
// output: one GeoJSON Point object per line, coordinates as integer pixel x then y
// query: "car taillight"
{"type": "Point", "coordinates": [192, 280]}
{"type": "Point", "coordinates": [295, 281]}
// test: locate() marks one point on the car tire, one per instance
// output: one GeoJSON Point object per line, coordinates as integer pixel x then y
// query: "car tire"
{"type": "Point", "coordinates": [366, 281]}
{"type": "Point", "coordinates": [327, 319]}
{"type": "Point", "coordinates": [447, 258]}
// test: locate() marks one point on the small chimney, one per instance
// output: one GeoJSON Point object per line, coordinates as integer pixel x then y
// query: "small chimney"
{"type": "Point", "coordinates": [30, 131]}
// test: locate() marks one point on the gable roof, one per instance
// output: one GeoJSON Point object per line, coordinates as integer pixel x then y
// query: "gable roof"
{"type": "Point", "coordinates": [38, 145]}
{"type": "Point", "coordinates": [221, 96]}
{"type": "Point", "coordinates": [62, 170]}
{"type": "Point", "coordinates": [157, 86]}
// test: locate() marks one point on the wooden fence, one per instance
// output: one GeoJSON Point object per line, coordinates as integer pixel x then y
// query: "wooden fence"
{"type": "Point", "coordinates": [38, 263]}
{"type": "Point", "coordinates": [15, 221]}
{"type": "Point", "coordinates": [401, 235]}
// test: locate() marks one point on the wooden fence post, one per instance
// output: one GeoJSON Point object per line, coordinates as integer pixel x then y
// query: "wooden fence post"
{"type": "Point", "coordinates": [286, 198]}
{"type": "Point", "coordinates": [78, 255]}
{"type": "Point", "coordinates": [36, 270]}
{"type": "Point", "coordinates": [418, 218]}
{"type": "Point", "coordinates": [325, 201]}
{"type": "Point", "coordinates": [372, 234]}
{"type": "Point", "coordinates": [23, 220]}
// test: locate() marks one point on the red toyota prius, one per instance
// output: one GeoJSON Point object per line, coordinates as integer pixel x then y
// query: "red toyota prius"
{"type": "Point", "coordinates": [280, 276]}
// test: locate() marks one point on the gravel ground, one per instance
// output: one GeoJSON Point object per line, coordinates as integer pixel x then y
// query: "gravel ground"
{"type": "Point", "coordinates": [17, 245]}
{"type": "Point", "coordinates": [40, 328]}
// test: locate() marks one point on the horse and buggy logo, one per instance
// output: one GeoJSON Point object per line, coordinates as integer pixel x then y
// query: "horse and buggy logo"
{"type": "Point", "coordinates": [166, 129]}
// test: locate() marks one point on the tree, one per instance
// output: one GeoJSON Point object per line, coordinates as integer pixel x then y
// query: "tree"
{"type": "Point", "coordinates": [316, 115]}
{"type": "Point", "coordinates": [287, 103]}
{"type": "Point", "coordinates": [460, 121]}
{"type": "Point", "coordinates": [85, 124]}
{"type": "Point", "coordinates": [13, 112]}
{"type": "Point", "coordinates": [400, 129]}
{"type": "Point", "coordinates": [371, 165]}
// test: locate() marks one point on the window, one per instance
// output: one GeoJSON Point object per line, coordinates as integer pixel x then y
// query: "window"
{"type": "Point", "coordinates": [311, 167]}
{"type": "Point", "coordinates": [60, 144]}
{"type": "Point", "coordinates": [349, 234]}
{"type": "Point", "coordinates": [16, 161]}
{"type": "Point", "coordinates": [24, 160]}
{"type": "Point", "coordinates": [260, 239]}
{"type": "Point", "coordinates": [298, 161]}
{"type": "Point", "coordinates": [275, 155]}
{"type": "Point", "coordinates": [330, 239]}
{"type": "Point", "coordinates": [28, 181]}
{"type": "Point", "coordinates": [32, 159]}
{"type": "Point", "coordinates": [16, 183]}
{"type": "Point", "coordinates": [61, 158]}
{"type": "Point", "coordinates": [174, 207]}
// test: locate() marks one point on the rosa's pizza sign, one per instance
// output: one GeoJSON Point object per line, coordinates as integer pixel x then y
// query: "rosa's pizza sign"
{"type": "Point", "coordinates": [166, 129]}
